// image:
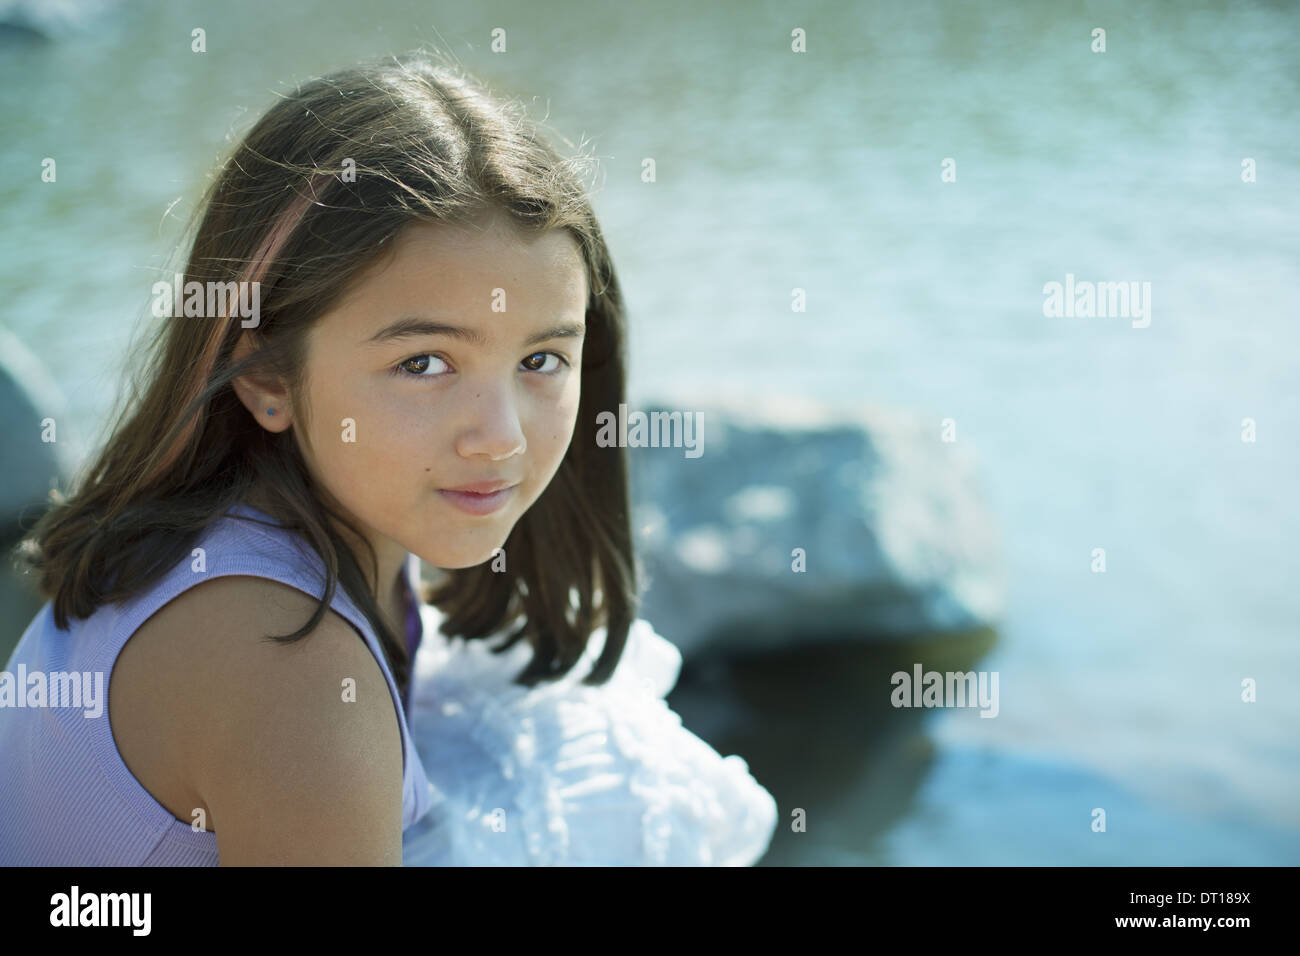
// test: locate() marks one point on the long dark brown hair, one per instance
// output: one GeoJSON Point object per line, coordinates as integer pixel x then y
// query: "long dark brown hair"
{"type": "Point", "coordinates": [428, 144]}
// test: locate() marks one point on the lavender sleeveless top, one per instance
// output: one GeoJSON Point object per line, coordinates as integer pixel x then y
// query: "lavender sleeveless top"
{"type": "Point", "coordinates": [66, 796]}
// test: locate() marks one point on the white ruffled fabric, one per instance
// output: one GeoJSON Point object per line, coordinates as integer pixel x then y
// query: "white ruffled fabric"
{"type": "Point", "coordinates": [564, 774]}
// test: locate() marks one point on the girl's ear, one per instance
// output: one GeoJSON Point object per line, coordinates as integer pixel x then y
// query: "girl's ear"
{"type": "Point", "coordinates": [263, 395]}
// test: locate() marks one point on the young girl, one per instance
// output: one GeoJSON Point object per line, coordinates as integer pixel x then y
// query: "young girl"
{"type": "Point", "coordinates": [435, 324]}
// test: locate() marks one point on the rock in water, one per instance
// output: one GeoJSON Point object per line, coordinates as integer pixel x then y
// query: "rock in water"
{"type": "Point", "coordinates": [799, 522]}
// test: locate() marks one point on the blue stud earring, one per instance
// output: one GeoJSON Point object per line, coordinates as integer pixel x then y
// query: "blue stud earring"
{"type": "Point", "coordinates": [270, 411]}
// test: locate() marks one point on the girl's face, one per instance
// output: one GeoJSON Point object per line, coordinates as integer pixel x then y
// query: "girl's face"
{"type": "Point", "coordinates": [456, 361]}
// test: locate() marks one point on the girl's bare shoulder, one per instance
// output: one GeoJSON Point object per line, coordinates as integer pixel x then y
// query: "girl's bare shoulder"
{"type": "Point", "coordinates": [198, 682]}
{"type": "Point", "coordinates": [216, 628]}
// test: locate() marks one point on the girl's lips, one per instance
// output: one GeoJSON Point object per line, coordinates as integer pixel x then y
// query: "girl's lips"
{"type": "Point", "coordinates": [475, 504]}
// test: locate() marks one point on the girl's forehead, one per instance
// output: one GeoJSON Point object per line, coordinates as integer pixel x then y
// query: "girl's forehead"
{"type": "Point", "coordinates": [487, 277]}
{"type": "Point", "coordinates": [495, 244]}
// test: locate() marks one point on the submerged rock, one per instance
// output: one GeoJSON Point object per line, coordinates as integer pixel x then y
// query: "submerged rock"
{"type": "Point", "coordinates": [43, 21]}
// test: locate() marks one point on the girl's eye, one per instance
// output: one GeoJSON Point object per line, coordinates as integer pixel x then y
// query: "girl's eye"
{"type": "Point", "coordinates": [418, 365]}
{"type": "Point", "coordinates": [560, 360]}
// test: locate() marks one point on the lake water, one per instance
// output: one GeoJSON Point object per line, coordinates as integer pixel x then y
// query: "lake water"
{"type": "Point", "coordinates": [822, 171]}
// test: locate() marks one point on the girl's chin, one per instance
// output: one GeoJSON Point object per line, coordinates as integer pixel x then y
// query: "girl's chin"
{"type": "Point", "coordinates": [459, 560]}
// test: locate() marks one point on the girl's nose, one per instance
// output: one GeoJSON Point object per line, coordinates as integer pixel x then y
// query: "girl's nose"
{"type": "Point", "coordinates": [493, 431]}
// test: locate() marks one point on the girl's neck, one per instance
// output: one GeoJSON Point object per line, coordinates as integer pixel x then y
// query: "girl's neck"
{"type": "Point", "coordinates": [390, 597]}
{"type": "Point", "coordinates": [394, 609]}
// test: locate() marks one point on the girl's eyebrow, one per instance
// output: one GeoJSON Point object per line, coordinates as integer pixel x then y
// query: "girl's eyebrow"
{"type": "Point", "coordinates": [413, 326]}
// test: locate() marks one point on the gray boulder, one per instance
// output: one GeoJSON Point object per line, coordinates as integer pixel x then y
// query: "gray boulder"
{"type": "Point", "coordinates": [28, 465]}
{"type": "Point", "coordinates": [896, 537]}
{"type": "Point", "coordinates": [28, 469]}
